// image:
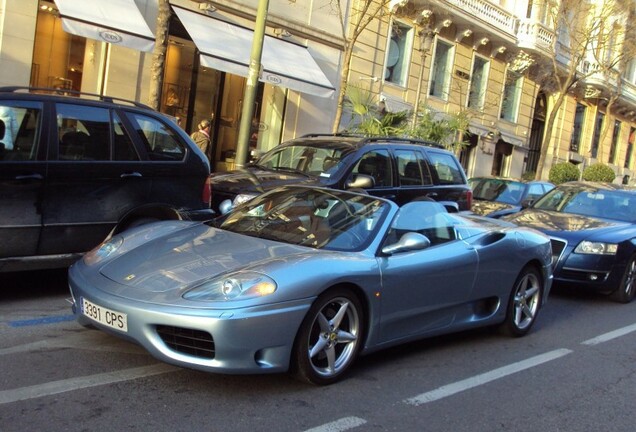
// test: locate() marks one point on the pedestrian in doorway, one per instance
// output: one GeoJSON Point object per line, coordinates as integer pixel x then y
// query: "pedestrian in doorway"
{"type": "Point", "coordinates": [202, 137]}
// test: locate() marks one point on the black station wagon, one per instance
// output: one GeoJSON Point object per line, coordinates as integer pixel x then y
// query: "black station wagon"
{"type": "Point", "coordinates": [76, 167]}
{"type": "Point", "coordinates": [398, 169]}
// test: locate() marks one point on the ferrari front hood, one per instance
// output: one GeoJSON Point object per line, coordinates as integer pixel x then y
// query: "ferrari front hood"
{"type": "Point", "coordinates": [186, 258]}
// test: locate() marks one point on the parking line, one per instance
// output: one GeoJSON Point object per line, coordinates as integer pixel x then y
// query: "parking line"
{"type": "Point", "coordinates": [610, 335]}
{"type": "Point", "coordinates": [39, 321]}
{"type": "Point", "coordinates": [343, 424]}
{"type": "Point", "coordinates": [459, 386]}
{"type": "Point", "coordinates": [55, 387]}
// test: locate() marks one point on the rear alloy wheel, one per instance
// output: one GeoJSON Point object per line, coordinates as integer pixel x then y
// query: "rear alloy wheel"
{"type": "Point", "coordinates": [627, 289]}
{"type": "Point", "coordinates": [329, 338]}
{"type": "Point", "coordinates": [524, 304]}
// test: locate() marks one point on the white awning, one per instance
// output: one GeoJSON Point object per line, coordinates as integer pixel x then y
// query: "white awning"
{"type": "Point", "coordinates": [117, 22]}
{"type": "Point", "coordinates": [227, 47]}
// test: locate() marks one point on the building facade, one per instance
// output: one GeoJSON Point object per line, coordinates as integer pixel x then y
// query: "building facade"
{"type": "Point", "coordinates": [489, 60]}
{"type": "Point", "coordinates": [484, 58]}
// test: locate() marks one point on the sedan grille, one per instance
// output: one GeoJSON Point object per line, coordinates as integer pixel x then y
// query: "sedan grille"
{"type": "Point", "coordinates": [558, 246]}
{"type": "Point", "coordinates": [196, 343]}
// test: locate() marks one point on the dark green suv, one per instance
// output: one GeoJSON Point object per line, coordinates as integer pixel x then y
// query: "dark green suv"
{"type": "Point", "coordinates": [73, 169]}
{"type": "Point", "coordinates": [395, 168]}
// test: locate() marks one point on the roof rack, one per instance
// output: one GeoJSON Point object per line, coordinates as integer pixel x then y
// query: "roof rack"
{"type": "Point", "coordinates": [406, 140]}
{"type": "Point", "coordinates": [345, 135]}
{"type": "Point", "coordinates": [69, 92]}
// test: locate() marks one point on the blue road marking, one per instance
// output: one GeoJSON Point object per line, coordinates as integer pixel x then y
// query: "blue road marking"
{"type": "Point", "coordinates": [40, 321]}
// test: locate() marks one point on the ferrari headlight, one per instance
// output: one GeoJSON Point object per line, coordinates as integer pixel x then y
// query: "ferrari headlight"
{"type": "Point", "coordinates": [104, 250]}
{"type": "Point", "coordinates": [596, 248]}
{"type": "Point", "coordinates": [237, 286]}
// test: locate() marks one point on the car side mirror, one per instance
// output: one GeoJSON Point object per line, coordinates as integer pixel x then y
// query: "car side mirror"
{"type": "Point", "coordinates": [361, 181]}
{"type": "Point", "coordinates": [408, 242]}
{"type": "Point", "coordinates": [450, 206]}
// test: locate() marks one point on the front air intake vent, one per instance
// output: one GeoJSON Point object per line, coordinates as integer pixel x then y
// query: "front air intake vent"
{"type": "Point", "coordinates": [196, 343]}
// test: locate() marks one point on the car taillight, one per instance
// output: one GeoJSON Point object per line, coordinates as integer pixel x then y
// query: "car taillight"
{"type": "Point", "coordinates": [206, 195]}
{"type": "Point", "coordinates": [469, 199]}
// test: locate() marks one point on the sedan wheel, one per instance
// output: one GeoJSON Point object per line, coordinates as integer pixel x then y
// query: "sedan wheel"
{"type": "Point", "coordinates": [329, 338]}
{"type": "Point", "coordinates": [627, 289]}
{"type": "Point", "coordinates": [524, 303]}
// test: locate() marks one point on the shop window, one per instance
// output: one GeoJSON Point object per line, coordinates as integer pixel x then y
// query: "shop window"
{"type": "Point", "coordinates": [511, 96]}
{"type": "Point", "coordinates": [630, 148]}
{"type": "Point", "coordinates": [398, 54]}
{"type": "Point", "coordinates": [598, 126]}
{"type": "Point", "coordinates": [577, 128]}
{"type": "Point", "coordinates": [441, 71]}
{"type": "Point", "coordinates": [58, 57]}
{"type": "Point", "coordinates": [615, 134]}
{"type": "Point", "coordinates": [478, 81]}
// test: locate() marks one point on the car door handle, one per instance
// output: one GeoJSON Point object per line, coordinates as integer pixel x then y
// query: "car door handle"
{"type": "Point", "coordinates": [131, 174]}
{"type": "Point", "coordinates": [30, 177]}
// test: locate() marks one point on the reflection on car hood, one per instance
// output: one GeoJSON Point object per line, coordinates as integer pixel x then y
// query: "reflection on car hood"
{"type": "Point", "coordinates": [187, 257]}
{"type": "Point", "coordinates": [485, 208]}
{"type": "Point", "coordinates": [554, 223]}
{"type": "Point", "coordinates": [257, 180]}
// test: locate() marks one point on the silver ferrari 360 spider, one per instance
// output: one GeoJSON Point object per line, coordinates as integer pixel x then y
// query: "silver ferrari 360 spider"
{"type": "Point", "coordinates": [306, 279]}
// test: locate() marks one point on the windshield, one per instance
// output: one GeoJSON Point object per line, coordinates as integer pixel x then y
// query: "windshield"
{"type": "Point", "coordinates": [321, 219]}
{"type": "Point", "coordinates": [608, 204]}
{"type": "Point", "coordinates": [504, 191]}
{"type": "Point", "coordinates": [322, 161]}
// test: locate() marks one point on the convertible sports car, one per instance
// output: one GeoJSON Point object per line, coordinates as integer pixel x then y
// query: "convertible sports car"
{"type": "Point", "coordinates": [593, 232]}
{"type": "Point", "coordinates": [306, 279]}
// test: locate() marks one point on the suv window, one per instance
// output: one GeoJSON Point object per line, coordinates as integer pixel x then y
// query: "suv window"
{"type": "Point", "coordinates": [376, 164]}
{"type": "Point", "coordinates": [21, 123]}
{"type": "Point", "coordinates": [448, 171]}
{"type": "Point", "coordinates": [412, 169]}
{"type": "Point", "coordinates": [83, 131]}
{"type": "Point", "coordinates": [160, 141]}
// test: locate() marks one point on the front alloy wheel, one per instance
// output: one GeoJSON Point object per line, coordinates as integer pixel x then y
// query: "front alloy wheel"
{"type": "Point", "coordinates": [627, 288]}
{"type": "Point", "coordinates": [524, 303]}
{"type": "Point", "coordinates": [329, 338]}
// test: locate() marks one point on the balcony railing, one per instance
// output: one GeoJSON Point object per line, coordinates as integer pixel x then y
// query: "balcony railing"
{"type": "Point", "coordinates": [535, 36]}
{"type": "Point", "coordinates": [482, 10]}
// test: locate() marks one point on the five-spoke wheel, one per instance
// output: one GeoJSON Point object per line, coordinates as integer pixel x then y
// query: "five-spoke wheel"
{"type": "Point", "coordinates": [329, 338]}
{"type": "Point", "coordinates": [524, 304]}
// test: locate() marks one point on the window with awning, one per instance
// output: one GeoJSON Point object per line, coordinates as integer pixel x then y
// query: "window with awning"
{"type": "Point", "coordinates": [227, 47]}
{"type": "Point", "coordinates": [118, 22]}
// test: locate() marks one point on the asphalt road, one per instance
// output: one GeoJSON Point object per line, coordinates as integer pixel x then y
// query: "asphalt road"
{"type": "Point", "coordinates": [576, 371]}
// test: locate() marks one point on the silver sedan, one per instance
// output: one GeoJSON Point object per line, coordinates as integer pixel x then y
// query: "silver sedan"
{"type": "Point", "coordinates": [306, 279]}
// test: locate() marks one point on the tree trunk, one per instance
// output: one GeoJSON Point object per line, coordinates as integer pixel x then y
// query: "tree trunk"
{"type": "Point", "coordinates": [344, 78]}
{"type": "Point", "coordinates": [547, 133]}
{"type": "Point", "coordinates": [159, 54]}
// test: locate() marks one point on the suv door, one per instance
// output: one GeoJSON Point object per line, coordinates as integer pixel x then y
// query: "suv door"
{"type": "Point", "coordinates": [414, 176]}
{"type": "Point", "coordinates": [95, 176]}
{"type": "Point", "coordinates": [22, 174]}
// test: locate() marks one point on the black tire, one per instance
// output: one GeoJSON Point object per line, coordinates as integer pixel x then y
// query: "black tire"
{"type": "Point", "coordinates": [329, 337]}
{"type": "Point", "coordinates": [627, 289]}
{"type": "Point", "coordinates": [524, 303]}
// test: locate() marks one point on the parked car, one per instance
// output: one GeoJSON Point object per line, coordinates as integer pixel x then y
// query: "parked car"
{"type": "Point", "coordinates": [395, 168]}
{"type": "Point", "coordinates": [592, 229]}
{"type": "Point", "coordinates": [496, 196]}
{"type": "Point", "coordinates": [307, 278]}
{"type": "Point", "coordinates": [73, 169]}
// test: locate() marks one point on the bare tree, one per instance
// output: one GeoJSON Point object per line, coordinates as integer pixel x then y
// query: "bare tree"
{"type": "Point", "coordinates": [579, 31]}
{"type": "Point", "coordinates": [159, 54]}
{"type": "Point", "coordinates": [353, 22]}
